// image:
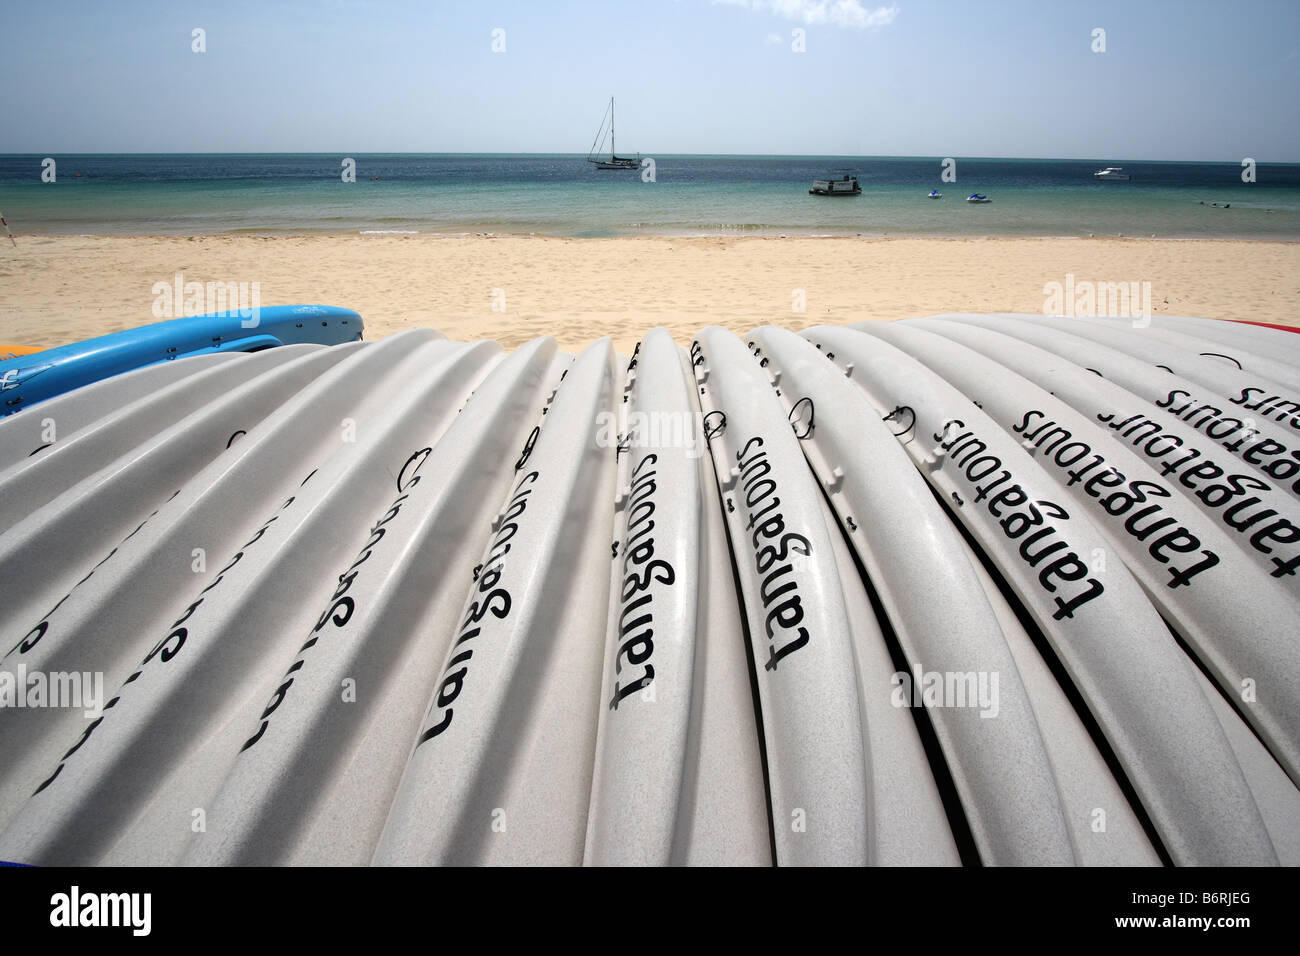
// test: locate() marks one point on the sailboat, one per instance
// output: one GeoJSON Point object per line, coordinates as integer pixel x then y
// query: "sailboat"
{"type": "Point", "coordinates": [615, 161]}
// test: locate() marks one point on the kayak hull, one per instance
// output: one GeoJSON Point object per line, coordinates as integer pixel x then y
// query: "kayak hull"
{"type": "Point", "coordinates": [27, 379]}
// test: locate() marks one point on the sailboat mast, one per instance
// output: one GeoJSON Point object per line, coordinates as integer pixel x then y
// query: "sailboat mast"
{"type": "Point", "coordinates": [614, 161]}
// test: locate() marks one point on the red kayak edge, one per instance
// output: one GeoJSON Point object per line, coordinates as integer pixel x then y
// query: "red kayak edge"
{"type": "Point", "coordinates": [1267, 325]}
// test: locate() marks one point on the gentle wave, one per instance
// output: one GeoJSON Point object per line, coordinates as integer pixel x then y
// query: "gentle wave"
{"type": "Point", "coordinates": [693, 195]}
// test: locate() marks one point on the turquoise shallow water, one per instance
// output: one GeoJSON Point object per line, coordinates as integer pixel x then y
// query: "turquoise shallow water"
{"type": "Point", "coordinates": [691, 195]}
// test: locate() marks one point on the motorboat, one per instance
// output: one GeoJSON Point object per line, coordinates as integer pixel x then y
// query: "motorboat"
{"type": "Point", "coordinates": [845, 186]}
{"type": "Point", "coordinates": [978, 197]}
{"type": "Point", "coordinates": [1111, 174]}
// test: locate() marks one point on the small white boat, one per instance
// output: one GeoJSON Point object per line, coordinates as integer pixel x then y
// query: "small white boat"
{"type": "Point", "coordinates": [978, 197]}
{"type": "Point", "coordinates": [1111, 174]}
{"type": "Point", "coordinates": [935, 194]}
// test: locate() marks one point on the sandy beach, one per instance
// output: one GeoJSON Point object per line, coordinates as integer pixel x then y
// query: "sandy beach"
{"type": "Point", "coordinates": [55, 290]}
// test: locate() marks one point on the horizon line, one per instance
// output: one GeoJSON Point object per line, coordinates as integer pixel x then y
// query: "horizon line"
{"type": "Point", "coordinates": [928, 157]}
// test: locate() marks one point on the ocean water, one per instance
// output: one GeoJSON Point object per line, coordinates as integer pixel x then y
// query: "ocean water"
{"type": "Point", "coordinates": [562, 195]}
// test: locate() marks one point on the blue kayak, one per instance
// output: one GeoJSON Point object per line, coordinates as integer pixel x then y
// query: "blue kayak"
{"type": "Point", "coordinates": [28, 379]}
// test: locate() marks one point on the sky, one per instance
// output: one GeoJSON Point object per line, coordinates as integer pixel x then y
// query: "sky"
{"type": "Point", "coordinates": [1176, 80]}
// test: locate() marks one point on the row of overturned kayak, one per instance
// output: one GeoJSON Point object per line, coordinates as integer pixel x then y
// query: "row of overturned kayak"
{"type": "Point", "coordinates": [965, 589]}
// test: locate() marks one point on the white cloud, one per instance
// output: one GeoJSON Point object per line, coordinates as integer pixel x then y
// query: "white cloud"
{"type": "Point", "coordinates": [840, 13]}
{"type": "Point", "coordinates": [773, 39]}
